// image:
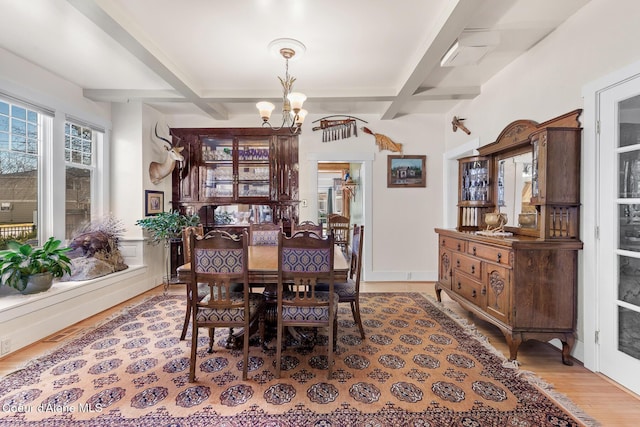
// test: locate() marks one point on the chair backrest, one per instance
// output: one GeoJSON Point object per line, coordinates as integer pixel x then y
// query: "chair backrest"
{"type": "Point", "coordinates": [340, 226]}
{"type": "Point", "coordinates": [356, 253]}
{"type": "Point", "coordinates": [306, 226]}
{"type": "Point", "coordinates": [265, 234]}
{"type": "Point", "coordinates": [303, 260]}
{"type": "Point", "coordinates": [186, 239]}
{"type": "Point", "coordinates": [220, 260]}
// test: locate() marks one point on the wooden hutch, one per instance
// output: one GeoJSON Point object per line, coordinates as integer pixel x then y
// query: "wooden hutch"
{"type": "Point", "coordinates": [522, 279]}
{"type": "Point", "coordinates": [255, 170]}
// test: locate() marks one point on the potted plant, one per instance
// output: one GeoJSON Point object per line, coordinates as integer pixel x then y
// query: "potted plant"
{"type": "Point", "coordinates": [167, 225]}
{"type": "Point", "coordinates": [165, 228]}
{"type": "Point", "coordinates": [31, 270]}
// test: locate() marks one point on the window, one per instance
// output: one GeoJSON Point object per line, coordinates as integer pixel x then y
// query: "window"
{"type": "Point", "coordinates": [79, 159]}
{"type": "Point", "coordinates": [21, 139]}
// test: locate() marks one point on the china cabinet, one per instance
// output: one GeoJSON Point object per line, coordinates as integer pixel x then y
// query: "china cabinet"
{"type": "Point", "coordinates": [474, 195]}
{"type": "Point", "coordinates": [234, 176]}
{"type": "Point", "coordinates": [523, 279]}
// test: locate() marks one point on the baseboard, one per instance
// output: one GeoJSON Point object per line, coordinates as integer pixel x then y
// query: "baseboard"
{"type": "Point", "coordinates": [402, 276]}
{"type": "Point", "coordinates": [26, 319]}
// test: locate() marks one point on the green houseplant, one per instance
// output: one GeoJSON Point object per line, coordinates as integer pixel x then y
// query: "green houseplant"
{"type": "Point", "coordinates": [31, 270]}
{"type": "Point", "coordinates": [166, 227]}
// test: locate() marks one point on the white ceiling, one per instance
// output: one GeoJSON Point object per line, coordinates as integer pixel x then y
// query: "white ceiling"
{"type": "Point", "coordinates": [211, 57]}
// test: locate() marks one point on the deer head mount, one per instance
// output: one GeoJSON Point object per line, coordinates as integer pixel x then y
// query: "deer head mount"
{"type": "Point", "coordinates": [158, 171]}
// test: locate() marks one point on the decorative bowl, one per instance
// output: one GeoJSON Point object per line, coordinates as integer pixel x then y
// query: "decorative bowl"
{"type": "Point", "coordinates": [527, 219]}
{"type": "Point", "coordinates": [495, 219]}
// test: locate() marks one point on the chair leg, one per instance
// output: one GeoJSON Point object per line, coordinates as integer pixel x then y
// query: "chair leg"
{"type": "Point", "coordinates": [245, 351]}
{"type": "Point", "coordinates": [194, 349]}
{"type": "Point", "coordinates": [187, 317]}
{"type": "Point", "coordinates": [330, 344]}
{"type": "Point", "coordinates": [278, 349]}
{"type": "Point", "coordinates": [211, 338]}
{"type": "Point", "coordinates": [355, 309]}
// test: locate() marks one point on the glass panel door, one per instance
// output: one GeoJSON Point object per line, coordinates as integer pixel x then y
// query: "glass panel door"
{"type": "Point", "coordinates": [253, 168]}
{"type": "Point", "coordinates": [217, 176]}
{"type": "Point", "coordinates": [619, 278]}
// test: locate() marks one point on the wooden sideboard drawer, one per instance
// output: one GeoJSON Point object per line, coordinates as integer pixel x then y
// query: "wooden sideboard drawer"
{"type": "Point", "coordinates": [469, 288]}
{"type": "Point", "coordinates": [467, 264]}
{"type": "Point", "coordinates": [453, 244]}
{"type": "Point", "coordinates": [489, 253]}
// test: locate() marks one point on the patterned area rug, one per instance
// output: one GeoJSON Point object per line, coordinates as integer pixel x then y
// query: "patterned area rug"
{"type": "Point", "coordinates": [417, 367]}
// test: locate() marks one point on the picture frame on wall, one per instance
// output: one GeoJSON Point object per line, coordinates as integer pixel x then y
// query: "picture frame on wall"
{"type": "Point", "coordinates": [154, 202]}
{"type": "Point", "coordinates": [406, 171]}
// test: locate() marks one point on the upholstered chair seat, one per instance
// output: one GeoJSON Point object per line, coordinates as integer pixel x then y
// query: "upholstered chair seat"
{"type": "Point", "coordinates": [236, 314]}
{"type": "Point", "coordinates": [314, 314]}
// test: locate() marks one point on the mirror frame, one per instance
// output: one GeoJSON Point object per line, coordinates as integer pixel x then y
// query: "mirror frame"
{"type": "Point", "coordinates": [527, 231]}
{"type": "Point", "coordinates": [512, 141]}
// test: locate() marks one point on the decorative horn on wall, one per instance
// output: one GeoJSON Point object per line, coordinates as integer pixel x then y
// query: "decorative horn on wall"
{"type": "Point", "coordinates": [457, 124]}
{"type": "Point", "coordinates": [333, 130]}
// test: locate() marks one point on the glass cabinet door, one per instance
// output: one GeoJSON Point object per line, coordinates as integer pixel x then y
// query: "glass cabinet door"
{"type": "Point", "coordinates": [235, 169]}
{"type": "Point", "coordinates": [253, 168]}
{"type": "Point", "coordinates": [217, 174]}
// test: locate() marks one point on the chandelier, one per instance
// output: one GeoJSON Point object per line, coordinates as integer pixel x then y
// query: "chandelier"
{"type": "Point", "coordinates": [292, 113]}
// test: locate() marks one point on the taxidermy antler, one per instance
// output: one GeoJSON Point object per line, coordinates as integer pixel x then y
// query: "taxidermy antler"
{"type": "Point", "coordinates": [158, 171]}
{"type": "Point", "coordinates": [384, 142]}
{"type": "Point", "coordinates": [333, 130]}
{"type": "Point", "coordinates": [457, 123]}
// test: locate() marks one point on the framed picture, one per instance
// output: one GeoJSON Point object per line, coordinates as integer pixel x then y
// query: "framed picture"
{"type": "Point", "coordinates": [406, 171]}
{"type": "Point", "coordinates": [154, 202]}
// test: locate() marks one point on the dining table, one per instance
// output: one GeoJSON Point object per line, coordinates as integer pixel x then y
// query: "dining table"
{"type": "Point", "coordinates": [263, 272]}
{"type": "Point", "coordinates": [263, 266]}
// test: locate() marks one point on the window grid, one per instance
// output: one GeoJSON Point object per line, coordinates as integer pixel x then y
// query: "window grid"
{"type": "Point", "coordinates": [78, 144]}
{"type": "Point", "coordinates": [20, 129]}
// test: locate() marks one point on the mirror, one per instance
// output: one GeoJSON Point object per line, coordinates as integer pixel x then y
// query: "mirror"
{"type": "Point", "coordinates": [514, 190]}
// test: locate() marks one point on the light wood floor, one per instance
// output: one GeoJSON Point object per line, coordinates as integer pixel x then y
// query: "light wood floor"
{"type": "Point", "coordinates": [595, 394]}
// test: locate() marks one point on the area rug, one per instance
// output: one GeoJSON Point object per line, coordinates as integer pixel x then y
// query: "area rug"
{"type": "Point", "coordinates": [418, 366]}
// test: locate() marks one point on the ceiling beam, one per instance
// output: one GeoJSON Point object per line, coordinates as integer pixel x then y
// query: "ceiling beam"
{"type": "Point", "coordinates": [94, 12]}
{"type": "Point", "coordinates": [451, 23]}
{"type": "Point", "coordinates": [124, 95]}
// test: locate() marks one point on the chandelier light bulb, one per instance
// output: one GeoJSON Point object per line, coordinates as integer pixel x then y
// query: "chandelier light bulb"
{"type": "Point", "coordinates": [265, 109]}
{"type": "Point", "coordinates": [296, 99]}
{"type": "Point", "coordinates": [299, 118]}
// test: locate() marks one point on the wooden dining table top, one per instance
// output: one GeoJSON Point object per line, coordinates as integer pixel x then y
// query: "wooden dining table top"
{"type": "Point", "coordinates": [263, 265]}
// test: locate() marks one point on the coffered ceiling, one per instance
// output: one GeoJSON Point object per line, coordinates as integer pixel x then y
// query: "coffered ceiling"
{"type": "Point", "coordinates": [210, 57]}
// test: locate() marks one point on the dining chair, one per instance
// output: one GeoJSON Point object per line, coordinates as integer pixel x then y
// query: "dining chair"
{"type": "Point", "coordinates": [340, 226]}
{"type": "Point", "coordinates": [219, 260]}
{"type": "Point", "coordinates": [303, 260]}
{"type": "Point", "coordinates": [197, 230]}
{"type": "Point", "coordinates": [306, 226]}
{"type": "Point", "coordinates": [265, 234]}
{"type": "Point", "coordinates": [349, 291]}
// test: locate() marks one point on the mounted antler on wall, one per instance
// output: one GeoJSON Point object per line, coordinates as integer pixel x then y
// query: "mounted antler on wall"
{"type": "Point", "coordinates": [457, 123]}
{"type": "Point", "coordinates": [384, 142]}
{"type": "Point", "coordinates": [158, 171]}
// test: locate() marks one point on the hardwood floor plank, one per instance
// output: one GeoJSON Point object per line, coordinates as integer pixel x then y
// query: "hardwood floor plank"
{"type": "Point", "coordinates": [595, 394]}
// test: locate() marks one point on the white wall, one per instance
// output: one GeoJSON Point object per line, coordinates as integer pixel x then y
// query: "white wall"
{"type": "Point", "coordinates": [547, 82]}
{"type": "Point", "coordinates": [401, 240]}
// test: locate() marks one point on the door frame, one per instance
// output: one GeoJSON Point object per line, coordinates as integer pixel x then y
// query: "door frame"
{"type": "Point", "coordinates": [590, 196]}
{"type": "Point", "coordinates": [366, 178]}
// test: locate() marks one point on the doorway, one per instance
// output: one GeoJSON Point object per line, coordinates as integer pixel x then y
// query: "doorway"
{"type": "Point", "coordinates": [362, 210]}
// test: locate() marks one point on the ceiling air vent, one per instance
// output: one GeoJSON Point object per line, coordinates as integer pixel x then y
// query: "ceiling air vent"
{"type": "Point", "coordinates": [470, 47]}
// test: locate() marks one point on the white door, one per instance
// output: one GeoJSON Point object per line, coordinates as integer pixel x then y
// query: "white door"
{"type": "Point", "coordinates": [619, 248]}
